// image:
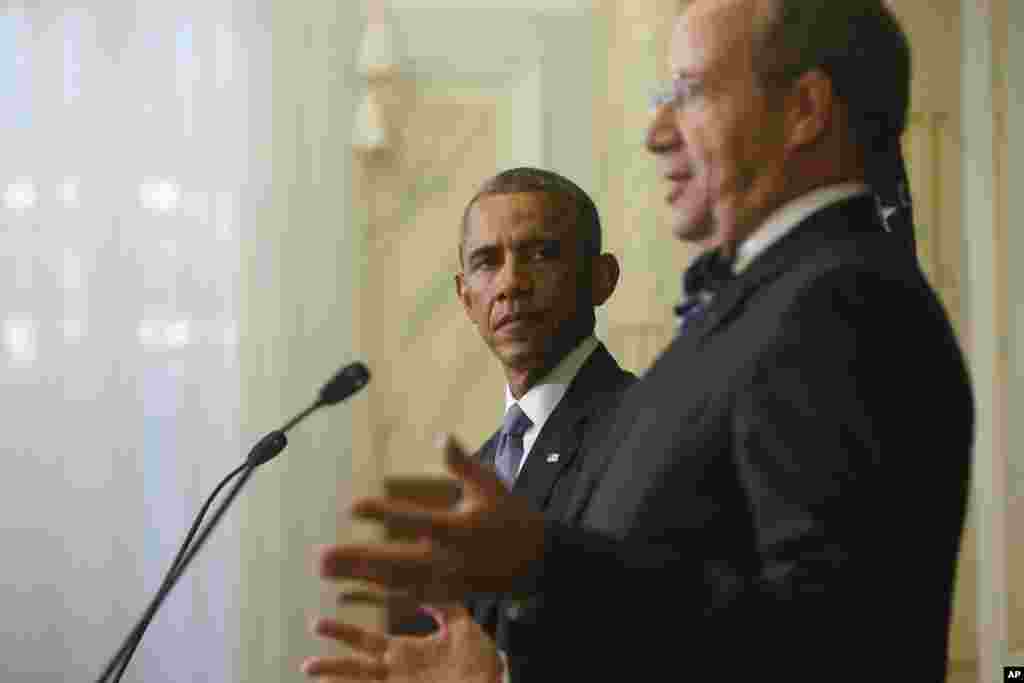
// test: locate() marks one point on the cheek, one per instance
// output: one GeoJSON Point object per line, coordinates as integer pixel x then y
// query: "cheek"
{"type": "Point", "coordinates": [695, 124]}
{"type": "Point", "coordinates": [566, 294]}
{"type": "Point", "coordinates": [476, 300]}
{"type": "Point", "coordinates": [719, 150]}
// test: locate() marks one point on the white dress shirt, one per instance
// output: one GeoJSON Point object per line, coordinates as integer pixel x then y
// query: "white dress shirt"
{"type": "Point", "coordinates": [543, 397]}
{"type": "Point", "coordinates": [788, 216]}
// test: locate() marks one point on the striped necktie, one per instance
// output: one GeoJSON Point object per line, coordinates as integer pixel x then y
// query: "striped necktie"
{"type": "Point", "coordinates": [510, 444]}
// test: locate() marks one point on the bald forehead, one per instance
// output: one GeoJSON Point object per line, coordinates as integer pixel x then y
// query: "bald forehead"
{"type": "Point", "coordinates": [728, 10]}
{"type": "Point", "coordinates": [715, 30]}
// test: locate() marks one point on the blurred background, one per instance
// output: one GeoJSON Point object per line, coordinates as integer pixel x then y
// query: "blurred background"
{"type": "Point", "coordinates": [207, 207]}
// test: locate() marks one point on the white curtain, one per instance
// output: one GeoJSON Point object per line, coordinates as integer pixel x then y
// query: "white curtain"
{"type": "Point", "coordinates": [126, 179]}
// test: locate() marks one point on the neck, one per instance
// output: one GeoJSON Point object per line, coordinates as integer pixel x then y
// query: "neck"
{"type": "Point", "coordinates": [522, 379]}
{"type": "Point", "coordinates": [520, 382]}
{"type": "Point", "coordinates": [792, 191]}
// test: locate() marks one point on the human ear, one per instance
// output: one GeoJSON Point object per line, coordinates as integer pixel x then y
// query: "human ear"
{"type": "Point", "coordinates": [809, 108]}
{"type": "Point", "coordinates": [604, 278]}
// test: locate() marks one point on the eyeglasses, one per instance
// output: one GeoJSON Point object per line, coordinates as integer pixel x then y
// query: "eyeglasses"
{"type": "Point", "coordinates": [675, 93]}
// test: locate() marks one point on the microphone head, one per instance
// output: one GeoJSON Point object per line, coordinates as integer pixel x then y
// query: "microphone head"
{"type": "Point", "coordinates": [346, 382]}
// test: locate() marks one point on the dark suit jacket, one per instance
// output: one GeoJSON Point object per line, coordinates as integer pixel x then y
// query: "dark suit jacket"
{"type": "Point", "coordinates": [573, 429]}
{"type": "Point", "coordinates": [787, 483]}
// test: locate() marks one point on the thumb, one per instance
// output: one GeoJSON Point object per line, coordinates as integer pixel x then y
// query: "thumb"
{"type": "Point", "coordinates": [479, 480]}
{"type": "Point", "coordinates": [444, 614]}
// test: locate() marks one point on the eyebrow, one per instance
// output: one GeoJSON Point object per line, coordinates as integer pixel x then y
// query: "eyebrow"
{"type": "Point", "coordinates": [519, 245]}
{"type": "Point", "coordinates": [482, 250]}
{"type": "Point", "coordinates": [686, 73]}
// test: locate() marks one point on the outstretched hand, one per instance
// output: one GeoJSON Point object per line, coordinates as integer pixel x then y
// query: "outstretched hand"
{"type": "Point", "coordinates": [483, 544]}
{"type": "Point", "coordinates": [459, 652]}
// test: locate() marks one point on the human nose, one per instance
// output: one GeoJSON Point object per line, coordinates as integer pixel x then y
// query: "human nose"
{"type": "Point", "coordinates": [514, 278]}
{"type": "Point", "coordinates": [663, 132]}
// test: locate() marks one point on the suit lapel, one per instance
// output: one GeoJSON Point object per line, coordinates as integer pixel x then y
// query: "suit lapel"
{"type": "Point", "coordinates": [558, 444]}
{"type": "Point", "coordinates": [554, 450]}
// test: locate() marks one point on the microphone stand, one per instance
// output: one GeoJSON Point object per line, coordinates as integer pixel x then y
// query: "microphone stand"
{"type": "Point", "coordinates": [187, 552]}
{"type": "Point", "coordinates": [126, 658]}
{"type": "Point", "coordinates": [346, 382]}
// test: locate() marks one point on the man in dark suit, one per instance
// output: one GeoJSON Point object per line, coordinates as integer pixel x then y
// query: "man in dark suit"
{"type": "Point", "coordinates": [532, 273]}
{"type": "Point", "coordinates": [788, 482]}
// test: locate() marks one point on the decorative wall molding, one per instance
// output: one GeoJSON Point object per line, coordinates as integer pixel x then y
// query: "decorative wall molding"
{"type": "Point", "coordinates": [378, 65]}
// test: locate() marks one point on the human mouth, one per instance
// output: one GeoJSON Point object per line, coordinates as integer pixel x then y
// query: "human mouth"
{"type": "Point", "coordinates": [513, 321]}
{"type": "Point", "coordinates": [678, 182]}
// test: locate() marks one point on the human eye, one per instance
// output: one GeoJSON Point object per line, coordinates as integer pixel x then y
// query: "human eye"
{"type": "Point", "coordinates": [662, 94]}
{"type": "Point", "coordinates": [685, 89]}
{"type": "Point", "coordinates": [482, 261]}
{"type": "Point", "coordinates": [676, 93]}
{"type": "Point", "coordinates": [547, 249]}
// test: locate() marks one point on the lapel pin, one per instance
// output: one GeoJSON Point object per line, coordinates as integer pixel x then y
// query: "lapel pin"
{"type": "Point", "coordinates": [553, 457]}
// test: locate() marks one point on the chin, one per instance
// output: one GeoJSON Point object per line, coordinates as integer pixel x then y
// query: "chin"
{"type": "Point", "coordinates": [520, 356]}
{"type": "Point", "coordinates": [687, 228]}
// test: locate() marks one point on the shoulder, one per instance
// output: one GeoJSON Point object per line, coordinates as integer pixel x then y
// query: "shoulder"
{"type": "Point", "coordinates": [601, 381]}
{"type": "Point", "coordinates": [862, 299]}
{"type": "Point", "coordinates": [855, 276]}
{"type": "Point", "coordinates": [605, 370]}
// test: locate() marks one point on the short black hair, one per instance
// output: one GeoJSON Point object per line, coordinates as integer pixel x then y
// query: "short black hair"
{"type": "Point", "coordinates": [528, 179]}
{"type": "Point", "coordinates": [858, 44]}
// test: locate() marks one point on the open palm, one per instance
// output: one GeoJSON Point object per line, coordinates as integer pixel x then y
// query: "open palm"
{"type": "Point", "coordinates": [459, 652]}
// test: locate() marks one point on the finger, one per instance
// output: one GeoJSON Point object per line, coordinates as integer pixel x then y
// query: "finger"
{"type": "Point", "coordinates": [445, 614]}
{"type": "Point", "coordinates": [479, 480]}
{"type": "Point", "coordinates": [345, 668]}
{"type": "Point", "coordinates": [403, 566]}
{"type": "Point", "coordinates": [439, 617]}
{"type": "Point", "coordinates": [406, 517]}
{"type": "Point", "coordinates": [447, 611]}
{"type": "Point", "coordinates": [376, 599]}
{"type": "Point", "coordinates": [358, 638]}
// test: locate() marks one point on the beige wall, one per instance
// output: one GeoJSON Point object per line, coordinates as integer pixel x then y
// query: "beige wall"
{"type": "Point", "coordinates": [640, 319]}
{"type": "Point", "coordinates": [1010, 150]}
{"type": "Point", "coordinates": [296, 330]}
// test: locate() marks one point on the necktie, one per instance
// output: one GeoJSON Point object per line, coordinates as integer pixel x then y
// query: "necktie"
{"type": "Point", "coordinates": [706, 275]}
{"type": "Point", "coordinates": [510, 444]}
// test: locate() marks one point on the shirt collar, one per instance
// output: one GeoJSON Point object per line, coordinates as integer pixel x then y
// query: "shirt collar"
{"type": "Point", "coordinates": [788, 216]}
{"type": "Point", "coordinates": [542, 398]}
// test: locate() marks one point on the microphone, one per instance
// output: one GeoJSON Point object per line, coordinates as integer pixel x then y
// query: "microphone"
{"type": "Point", "coordinates": [346, 382]}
